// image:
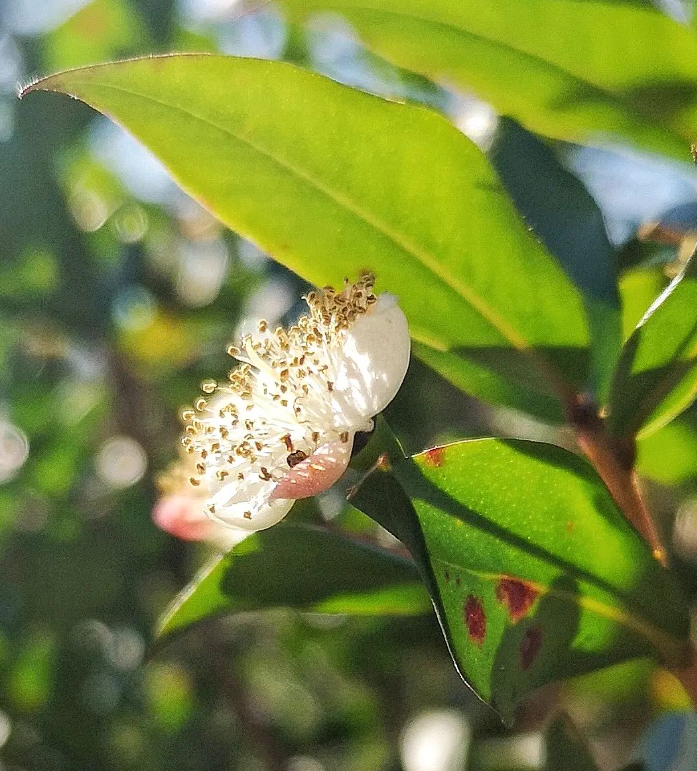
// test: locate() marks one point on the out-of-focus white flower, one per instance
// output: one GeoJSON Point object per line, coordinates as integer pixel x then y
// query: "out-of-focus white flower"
{"type": "Point", "coordinates": [181, 509]}
{"type": "Point", "coordinates": [282, 428]}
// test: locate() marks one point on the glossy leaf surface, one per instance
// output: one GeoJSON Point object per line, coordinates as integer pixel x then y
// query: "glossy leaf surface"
{"type": "Point", "coordinates": [656, 377]}
{"type": "Point", "coordinates": [535, 573]}
{"type": "Point", "coordinates": [302, 567]}
{"type": "Point", "coordinates": [572, 70]}
{"type": "Point", "coordinates": [331, 181]}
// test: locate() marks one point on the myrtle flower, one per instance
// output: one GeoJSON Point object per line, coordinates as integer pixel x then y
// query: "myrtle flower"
{"type": "Point", "coordinates": [282, 427]}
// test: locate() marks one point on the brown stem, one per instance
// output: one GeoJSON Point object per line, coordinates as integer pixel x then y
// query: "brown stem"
{"type": "Point", "coordinates": [614, 460]}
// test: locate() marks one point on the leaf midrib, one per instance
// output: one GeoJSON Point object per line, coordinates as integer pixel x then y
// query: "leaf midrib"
{"type": "Point", "coordinates": [422, 256]}
{"type": "Point", "coordinates": [629, 108]}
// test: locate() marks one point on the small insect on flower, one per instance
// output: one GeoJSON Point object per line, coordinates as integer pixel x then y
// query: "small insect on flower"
{"type": "Point", "coordinates": [282, 428]}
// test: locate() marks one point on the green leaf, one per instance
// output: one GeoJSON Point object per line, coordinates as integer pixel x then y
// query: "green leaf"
{"type": "Point", "coordinates": [669, 456]}
{"type": "Point", "coordinates": [303, 567]}
{"type": "Point", "coordinates": [656, 376]}
{"type": "Point", "coordinates": [571, 70]}
{"type": "Point", "coordinates": [564, 216]}
{"type": "Point", "coordinates": [535, 574]}
{"type": "Point", "coordinates": [331, 181]}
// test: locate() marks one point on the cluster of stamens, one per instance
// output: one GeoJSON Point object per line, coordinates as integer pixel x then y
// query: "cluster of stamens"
{"type": "Point", "coordinates": [277, 407]}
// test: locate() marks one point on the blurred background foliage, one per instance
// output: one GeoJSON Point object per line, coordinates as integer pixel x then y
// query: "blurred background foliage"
{"type": "Point", "coordinates": [117, 297]}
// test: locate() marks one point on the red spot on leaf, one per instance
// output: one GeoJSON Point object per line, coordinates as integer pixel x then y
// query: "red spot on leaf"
{"type": "Point", "coordinates": [458, 582]}
{"type": "Point", "coordinates": [435, 457]}
{"type": "Point", "coordinates": [530, 646]}
{"type": "Point", "coordinates": [446, 575]}
{"type": "Point", "coordinates": [570, 526]}
{"type": "Point", "coordinates": [475, 619]}
{"type": "Point", "coordinates": [517, 596]}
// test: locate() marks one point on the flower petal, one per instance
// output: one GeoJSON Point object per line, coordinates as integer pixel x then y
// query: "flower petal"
{"type": "Point", "coordinates": [183, 516]}
{"type": "Point", "coordinates": [375, 358]}
{"type": "Point", "coordinates": [316, 473]}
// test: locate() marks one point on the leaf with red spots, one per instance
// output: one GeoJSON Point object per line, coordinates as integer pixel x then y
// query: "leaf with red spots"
{"type": "Point", "coordinates": [535, 574]}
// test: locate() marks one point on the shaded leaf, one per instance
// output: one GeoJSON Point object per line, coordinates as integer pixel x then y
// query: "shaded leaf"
{"type": "Point", "coordinates": [331, 181]}
{"type": "Point", "coordinates": [299, 566]}
{"type": "Point", "coordinates": [534, 572]}
{"type": "Point", "coordinates": [563, 214]}
{"type": "Point", "coordinates": [656, 376]}
{"type": "Point", "coordinates": [570, 70]}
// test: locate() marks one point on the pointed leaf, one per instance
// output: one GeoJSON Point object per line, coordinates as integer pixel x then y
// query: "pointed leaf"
{"type": "Point", "coordinates": [534, 572]}
{"type": "Point", "coordinates": [570, 70]}
{"type": "Point", "coordinates": [656, 377]}
{"type": "Point", "coordinates": [299, 566]}
{"type": "Point", "coordinates": [331, 181]}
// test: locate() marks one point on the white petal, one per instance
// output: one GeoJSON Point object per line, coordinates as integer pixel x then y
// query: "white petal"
{"type": "Point", "coordinates": [374, 360]}
{"type": "Point", "coordinates": [248, 506]}
{"type": "Point", "coordinates": [317, 473]}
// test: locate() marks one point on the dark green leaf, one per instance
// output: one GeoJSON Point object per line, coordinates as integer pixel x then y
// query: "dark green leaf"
{"type": "Point", "coordinates": [656, 377]}
{"type": "Point", "coordinates": [299, 566]}
{"type": "Point", "coordinates": [571, 70]}
{"type": "Point", "coordinates": [534, 572]}
{"type": "Point", "coordinates": [331, 181]}
{"type": "Point", "coordinates": [569, 223]}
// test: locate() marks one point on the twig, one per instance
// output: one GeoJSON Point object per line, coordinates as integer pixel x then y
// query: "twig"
{"type": "Point", "coordinates": [614, 461]}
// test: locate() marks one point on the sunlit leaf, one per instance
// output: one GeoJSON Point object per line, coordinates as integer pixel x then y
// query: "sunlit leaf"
{"type": "Point", "coordinates": [331, 181]}
{"type": "Point", "coordinates": [299, 566]}
{"type": "Point", "coordinates": [571, 70]}
{"type": "Point", "coordinates": [656, 377]}
{"type": "Point", "coordinates": [534, 572]}
{"type": "Point", "coordinates": [669, 456]}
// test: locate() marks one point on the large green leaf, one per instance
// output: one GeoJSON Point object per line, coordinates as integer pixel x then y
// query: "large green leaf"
{"type": "Point", "coordinates": [534, 572]}
{"type": "Point", "coordinates": [573, 70]}
{"type": "Point", "coordinates": [332, 181]}
{"type": "Point", "coordinates": [656, 376]}
{"type": "Point", "coordinates": [299, 566]}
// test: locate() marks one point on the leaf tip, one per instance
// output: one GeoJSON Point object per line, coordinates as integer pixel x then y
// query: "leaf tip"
{"type": "Point", "coordinates": [24, 88]}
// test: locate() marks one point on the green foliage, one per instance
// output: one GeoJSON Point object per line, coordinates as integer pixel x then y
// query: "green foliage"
{"type": "Point", "coordinates": [300, 567]}
{"type": "Point", "coordinates": [115, 301]}
{"type": "Point", "coordinates": [534, 572]}
{"type": "Point", "coordinates": [656, 377]}
{"type": "Point", "coordinates": [332, 182]}
{"type": "Point", "coordinates": [570, 70]}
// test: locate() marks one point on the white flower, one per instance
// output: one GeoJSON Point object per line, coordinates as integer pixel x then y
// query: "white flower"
{"type": "Point", "coordinates": [282, 428]}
